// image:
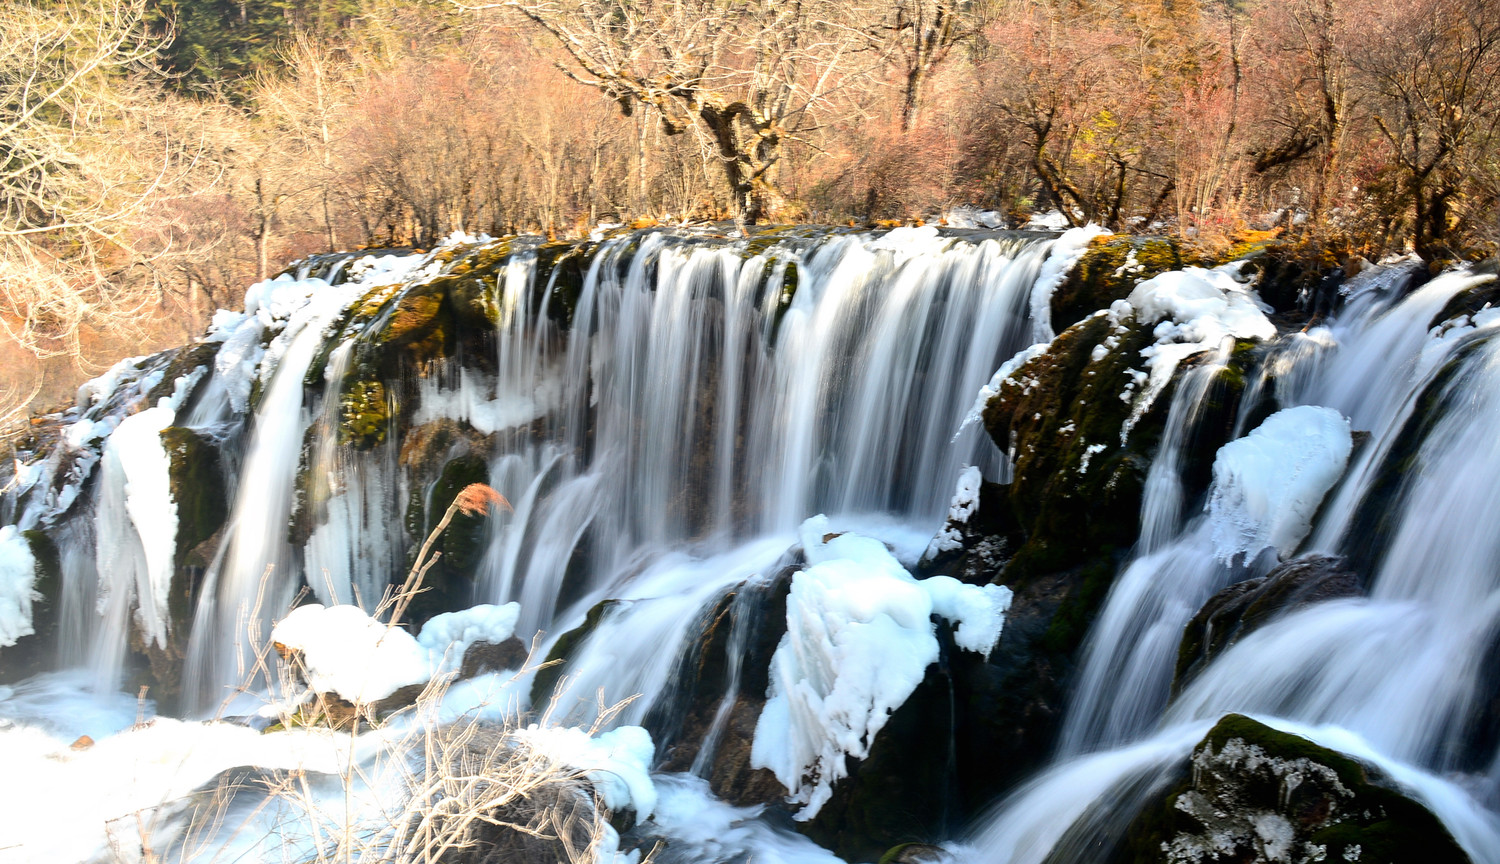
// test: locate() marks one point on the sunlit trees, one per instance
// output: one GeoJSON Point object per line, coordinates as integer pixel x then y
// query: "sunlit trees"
{"type": "Point", "coordinates": [89, 155]}
{"type": "Point", "coordinates": [1430, 70]}
{"type": "Point", "coordinates": [750, 75]}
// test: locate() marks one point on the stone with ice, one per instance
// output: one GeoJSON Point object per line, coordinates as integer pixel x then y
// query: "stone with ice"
{"type": "Point", "coordinates": [1268, 485]}
{"type": "Point", "coordinates": [859, 640]}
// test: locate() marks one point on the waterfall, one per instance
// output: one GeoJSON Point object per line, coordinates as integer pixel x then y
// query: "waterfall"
{"type": "Point", "coordinates": [1392, 678]}
{"type": "Point", "coordinates": [661, 426]}
{"type": "Point", "coordinates": [665, 411]}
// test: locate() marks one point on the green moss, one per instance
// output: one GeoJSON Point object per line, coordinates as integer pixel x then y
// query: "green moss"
{"type": "Point", "coordinates": [196, 482]}
{"type": "Point", "coordinates": [1076, 613]}
{"type": "Point", "coordinates": [545, 682]}
{"type": "Point", "coordinates": [561, 271]}
{"type": "Point", "coordinates": [1109, 270]}
{"type": "Point", "coordinates": [1076, 489]}
{"type": "Point", "coordinates": [364, 413]}
{"type": "Point", "coordinates": [1371, 821]}
{"type": "Point", "coordinates": [197, 486]}
{"type": "Point", "coordinates": [463, 541]}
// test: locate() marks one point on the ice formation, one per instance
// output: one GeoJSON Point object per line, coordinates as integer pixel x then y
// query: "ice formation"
{"type": "Point", "coordinates": [1066, 250]}
{"type": "Point", "coordinates": [965, 502]}
{"type": "Point", "coordinates": [1268, 485]}
{"type": "Point", "coordinates": [17, 581]}
{"type": "Point", "coordinates": [859, 640]}
{"type": "Point", "coordinates": [138, 541]}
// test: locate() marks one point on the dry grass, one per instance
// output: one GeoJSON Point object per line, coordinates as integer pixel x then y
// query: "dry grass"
{"type": "Point", "coordinates": [413, 786]}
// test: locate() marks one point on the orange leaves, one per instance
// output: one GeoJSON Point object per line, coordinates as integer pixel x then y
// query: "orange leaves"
{"type": "Point", "coordinates": [477, 499]}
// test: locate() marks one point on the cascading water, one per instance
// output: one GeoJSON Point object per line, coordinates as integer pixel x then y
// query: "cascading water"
{"type": "Point", "coordinates": [1393, 678]}
{"type": "Point", "coordinates": [665, 411]}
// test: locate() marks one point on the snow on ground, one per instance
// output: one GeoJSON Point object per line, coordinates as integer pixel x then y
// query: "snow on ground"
{"type": "Point", "coordinates": [17, 585]}
{"type": "Point", "coordinates": [617, 762]}
{"type": "Point", "coordinates": [1268, 485]}
{"type": "Point", "coordinates": [347, 652]}
{"type": "Point", "coordinates": [447, 636]}
{"type": "Point", "coordinates": [859, 639]}
{"type": "Point", "coordinates": [701, 828]}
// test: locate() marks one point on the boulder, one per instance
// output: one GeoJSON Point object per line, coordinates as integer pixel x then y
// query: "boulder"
{"type": "Point", "coordinates": [1244, 607]}
{"type": "Point", "coordinates": [483, 656]}
{"type": "Point", "coordinates": [1252, 794]}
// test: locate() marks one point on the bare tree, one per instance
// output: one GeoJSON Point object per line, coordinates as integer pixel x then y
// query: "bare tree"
{"type": "Point", "coordinates": [751, 75]}
{"type": "Point", "coordinates": [922, 33]}
{"type": "Point", "coordinates": [84, 156]}
{"type": "Point", "coordinates": [1431, 69]}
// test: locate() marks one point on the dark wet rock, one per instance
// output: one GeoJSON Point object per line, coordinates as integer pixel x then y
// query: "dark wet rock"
{"type": "Point", "coordinates": [683, 724]}
{"type": "Point", "coordinates": [482, 657]}
{"type": "Point", "coordinates": [984, 540]}
{"type": "Point", "coordinates": [184, 361]}
{"type": "Point", "coordinates": [544, 683]}
{"type": "Point", "coordinates": [1071, 501]}
{"type": "Point", "coordinates": [1485, 295]}
{"type": "Point", "coordinates": [1251, 793]}
{"type": "Point", "coordinates": [1244, 607]}
{"type": "Point", "coordinates": [915, 853]}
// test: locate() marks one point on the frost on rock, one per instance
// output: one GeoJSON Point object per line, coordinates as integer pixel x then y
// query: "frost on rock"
{"type": "Point", "coordinates": [1066, 252]}
{"type": "Point", "coordinates": [17, 585]}
{"type": "Point", "coordinates": [859, 640]}
{"type": "Point", "coordinates": [137, 535]}
{"type": "Point", "coordinates": [617, 762]}
{"type": "Point", "coordinates": [1195, 310]}
{"type": "Point", "coordinates": [447, 636]}
{"type": "Point", "coordinates": [1267, 485]}
{"type": "Point", "coordinates": [965, 502]}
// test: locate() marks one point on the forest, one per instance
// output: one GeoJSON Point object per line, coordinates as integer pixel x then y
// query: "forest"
{"type": "Point", "coordinates": [157, 155]}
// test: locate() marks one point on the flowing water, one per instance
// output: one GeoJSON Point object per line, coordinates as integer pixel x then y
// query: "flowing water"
{"type": "Point", "coordinates": [1394, 677]}
{"type": "Point", "coordinates": [662, 441]}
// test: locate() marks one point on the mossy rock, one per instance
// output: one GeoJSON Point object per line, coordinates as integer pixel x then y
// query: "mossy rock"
{"type": "Point", "coordinates": [364, 413]}
{"type": "Point", "coordinates": [561, 269]}
{"type": "Point", "coordinates": [1076, 488]}
{"type": "Point", "coordinates": [196, 481]}
{"type": "Point", "coordinates": [1251, 785]}
{"type": "Point", "coordinates": [449, 582]}
{"type": "Point", "coordinates": [544, 684]}
{"type": "Point", "coordinates": [186, 359]}
{"type": "Point", "coordinates": [1109, 270]}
